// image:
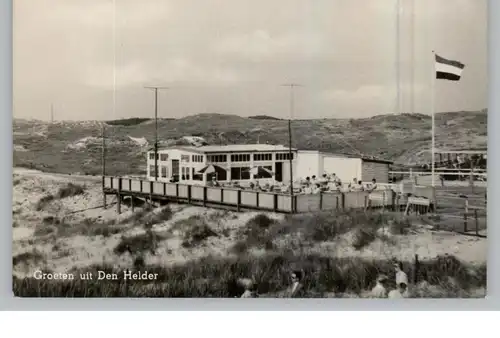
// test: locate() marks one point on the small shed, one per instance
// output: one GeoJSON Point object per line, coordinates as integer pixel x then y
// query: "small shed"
{"type": "Point", "coordinates": [345, 166]}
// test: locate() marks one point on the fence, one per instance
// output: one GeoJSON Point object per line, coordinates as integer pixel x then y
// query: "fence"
{"type": "Point", "coordinates": [461, 212]}
{"type": "Point", "coordinates": [277, 202]}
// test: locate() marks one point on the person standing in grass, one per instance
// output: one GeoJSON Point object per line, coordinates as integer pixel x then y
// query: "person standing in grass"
{"type": "Point", "coordinates": [380, 290]}
{"type": "Point", "coordinates": [401, 290]}
{"type": "Point", "coordinates": [296, 289]}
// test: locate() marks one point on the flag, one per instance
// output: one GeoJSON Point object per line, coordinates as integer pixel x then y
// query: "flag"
{"type": "Point", "coordinates": [448, 69]}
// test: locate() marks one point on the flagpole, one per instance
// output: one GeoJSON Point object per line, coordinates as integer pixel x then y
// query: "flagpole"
{"type": "Point", "coordinates": [433, 86]}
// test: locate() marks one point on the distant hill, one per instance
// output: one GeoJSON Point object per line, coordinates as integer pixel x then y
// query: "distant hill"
{"type": "Point", "coordinates": [71, 147]}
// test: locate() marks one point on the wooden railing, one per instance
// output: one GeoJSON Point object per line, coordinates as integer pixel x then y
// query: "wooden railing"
{"type": "Point", "coordinates": [250, 199]}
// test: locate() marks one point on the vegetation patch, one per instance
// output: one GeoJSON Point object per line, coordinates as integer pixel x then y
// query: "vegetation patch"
{"type": "Point", "coordinates": [139, 244]}
{"type": "Point", "coordinates": [29, 258]}
{"type": "Point", "coordinates": [322, 275]}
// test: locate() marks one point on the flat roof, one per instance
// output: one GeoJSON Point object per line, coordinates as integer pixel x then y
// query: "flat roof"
{"type": "Point", "coordinates": [364, 157]}
{"type": "Point", "coordinates": [232, 148]}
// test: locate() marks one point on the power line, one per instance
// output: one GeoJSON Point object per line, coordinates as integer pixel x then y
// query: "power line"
{"type": "Point", "coordinates": [155, 89]}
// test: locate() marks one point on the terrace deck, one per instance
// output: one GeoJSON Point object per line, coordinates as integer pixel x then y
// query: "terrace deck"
{"type": "Point", "coordinates": [230, 198]}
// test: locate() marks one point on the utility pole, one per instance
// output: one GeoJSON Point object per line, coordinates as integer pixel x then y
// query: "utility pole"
{"type": "Point", "coordinates": [292, 87]}
{"type": "Point", "coordinates": [156, 88]}
{"type": "Point", "coordinates": [103, 161]}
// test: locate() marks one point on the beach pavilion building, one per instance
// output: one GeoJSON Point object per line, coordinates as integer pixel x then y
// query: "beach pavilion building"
{"type": "Point", "coordinates": [242, 163]}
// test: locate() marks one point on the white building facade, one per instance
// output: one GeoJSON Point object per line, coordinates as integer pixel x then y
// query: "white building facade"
{"type": "Point", "coordinates": [345, 167]}
{"type": "Point", "coordinates": [233, 163]}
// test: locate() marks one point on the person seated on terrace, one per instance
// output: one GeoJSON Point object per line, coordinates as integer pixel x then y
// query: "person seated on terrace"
{"type": "Point", "coordinates": [307, 189]}
{"type": "Point", "coordinates": [316, 188]}
{"type": "Point", "coordinates": [373, 186]}
{"type": "Point", "coordinates": [308, 181]}
{"type": "Point", "coordinates": [353, 183]}
{"type": "Point", "coordinates": [215, 183]}
{"type": "Point", "coordinates": [252, 185]}
{"type": "Point", "coordinates": [314, 180]}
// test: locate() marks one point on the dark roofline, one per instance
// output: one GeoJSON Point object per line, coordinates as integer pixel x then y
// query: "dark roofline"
{"type": "Point", "coordinates": [201, 151]}
{"type": "Point", "coordinates": [364, 158]}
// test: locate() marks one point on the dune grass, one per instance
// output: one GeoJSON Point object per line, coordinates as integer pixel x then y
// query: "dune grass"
{"type": "Point", "coordinates": [215, 277]}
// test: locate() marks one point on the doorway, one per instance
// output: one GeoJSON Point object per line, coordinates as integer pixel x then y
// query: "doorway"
{"type": "Point", "coordinates": [279, 172]}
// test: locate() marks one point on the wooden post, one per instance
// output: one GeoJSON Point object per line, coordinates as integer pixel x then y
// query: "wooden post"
{"type": "Point", "coordinates": [177, 190]}
{"type": "Point", "coordinates": [321, 200]}
{"type": "Point", "coordinates": [222, 195]}
{"type": "Point", "coordinates": [119, 197]}
{"type": "Point", "coordinates": [189, 194]}
{"type": "Point", "coordinates": [164, 189]}
{"type": "Point", "coordinates": [140, 185]}
{"type": "Point", "coordinates": [205, 196]}
{"type": "Point", "coordinates": [275, 207]}
{"type": "Point", "coordinates": [343, 201]}
{"type": "Point", "coordinates": [257, 199]}
{"type": "Point", "coordinates": [466, 212]}
{"type": "Point", "coordinates": [416, 269]}
{"type": "Point", "coordinates": [337, 203]}
{"type": "Point", "coordinates": [151, 194]}
{"type": "Point", "coordinates": [132, 202]}
{"type": "Point", "coordinates": [471, 182]}
{"type": "Point", "coordinates": [103, 192]}
{"type": "Point", "coordinates": [476, 218]}
{"type": "Point", "coordinates": [239, 200]}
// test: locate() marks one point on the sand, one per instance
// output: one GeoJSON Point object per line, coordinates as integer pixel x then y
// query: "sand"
{"type": "Point", "coordinates": [62, 254]}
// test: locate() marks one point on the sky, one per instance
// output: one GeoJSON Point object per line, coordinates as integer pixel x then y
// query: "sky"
{"type": "Point", "coordinates": [91, 59]}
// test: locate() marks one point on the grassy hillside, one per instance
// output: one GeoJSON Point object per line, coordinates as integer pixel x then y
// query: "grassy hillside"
{"type": "Point", "coordinates": [71, 147]}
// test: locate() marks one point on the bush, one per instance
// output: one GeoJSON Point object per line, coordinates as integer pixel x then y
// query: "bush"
{"type": "Point", "coordinates": [139, 244]}
{"type": "Point", "coordinates": [70, 190]}
{"type": "Point", "coordinates": [43, 201]}
{"type": "Point", "coordinates": [27, 257]}
{"type": "Point", "coordinates": [215, 277]}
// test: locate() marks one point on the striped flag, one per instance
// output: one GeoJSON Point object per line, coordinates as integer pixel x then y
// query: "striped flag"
{"type": "Point", "coordinates": [448, 69]}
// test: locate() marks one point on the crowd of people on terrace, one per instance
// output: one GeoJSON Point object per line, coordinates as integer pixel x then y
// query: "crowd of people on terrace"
{"type": "Point", "coordinates": [296, 289]}
{"type": "Point", "coordinates": [307, 185]}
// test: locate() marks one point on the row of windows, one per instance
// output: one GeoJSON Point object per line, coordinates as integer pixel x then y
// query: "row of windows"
{"type": "Point", "coordinates": [263, 157]}
{"type": "Point", "coordinates": [161, 157]}
{"type": "Point", "coordinates": [217, 158]}
{"type": "Point", "coordinates": [197, 158]}
{"type": "Point", "coordinates": [163, 171]}
{"type": "Point", "coordinates": [240, 158]}
{"type": "Point", "coordinates": [223, 158]}
{"type": "Point", "coordinates": [283, 156]}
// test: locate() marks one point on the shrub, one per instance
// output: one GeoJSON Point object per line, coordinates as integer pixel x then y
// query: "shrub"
{"type": "Point", "coordinates": [33, 257]}
{"type": "Point", "coordinates": [70, 190]}
{"type": "Point", "coordinates": [43, 201]}
{"type": "Point", "coordinates": [139, 244]}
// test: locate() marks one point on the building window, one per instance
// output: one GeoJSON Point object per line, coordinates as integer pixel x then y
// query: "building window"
{"type": "Point", "coordinates": [163, 157]}
{"type": "Point", "coordinates": [185, 173]}
{"type": "Point", "coordinates": [240, 158]}
{"type": "Point", "coordinates": [197, 158]}
{"type": "Point", "coordinates": [264, 173]}
{"type": "Point", "coordinates": [184, 158]}
{"type": "Point", "coordinates": [164, 172]}
{"type": "Point", "coordinates": [197, 177]}
{"type": "Point", "coordinates": [152, 171]}
{"type": "Point", "coordinates": [263, 157]}
{"type": "Point", "coordinates": [283, 156]}
{"type": "Point", "coordinates": [217, 158]}
{"type": "Point", "coordinates": [240, 173]}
